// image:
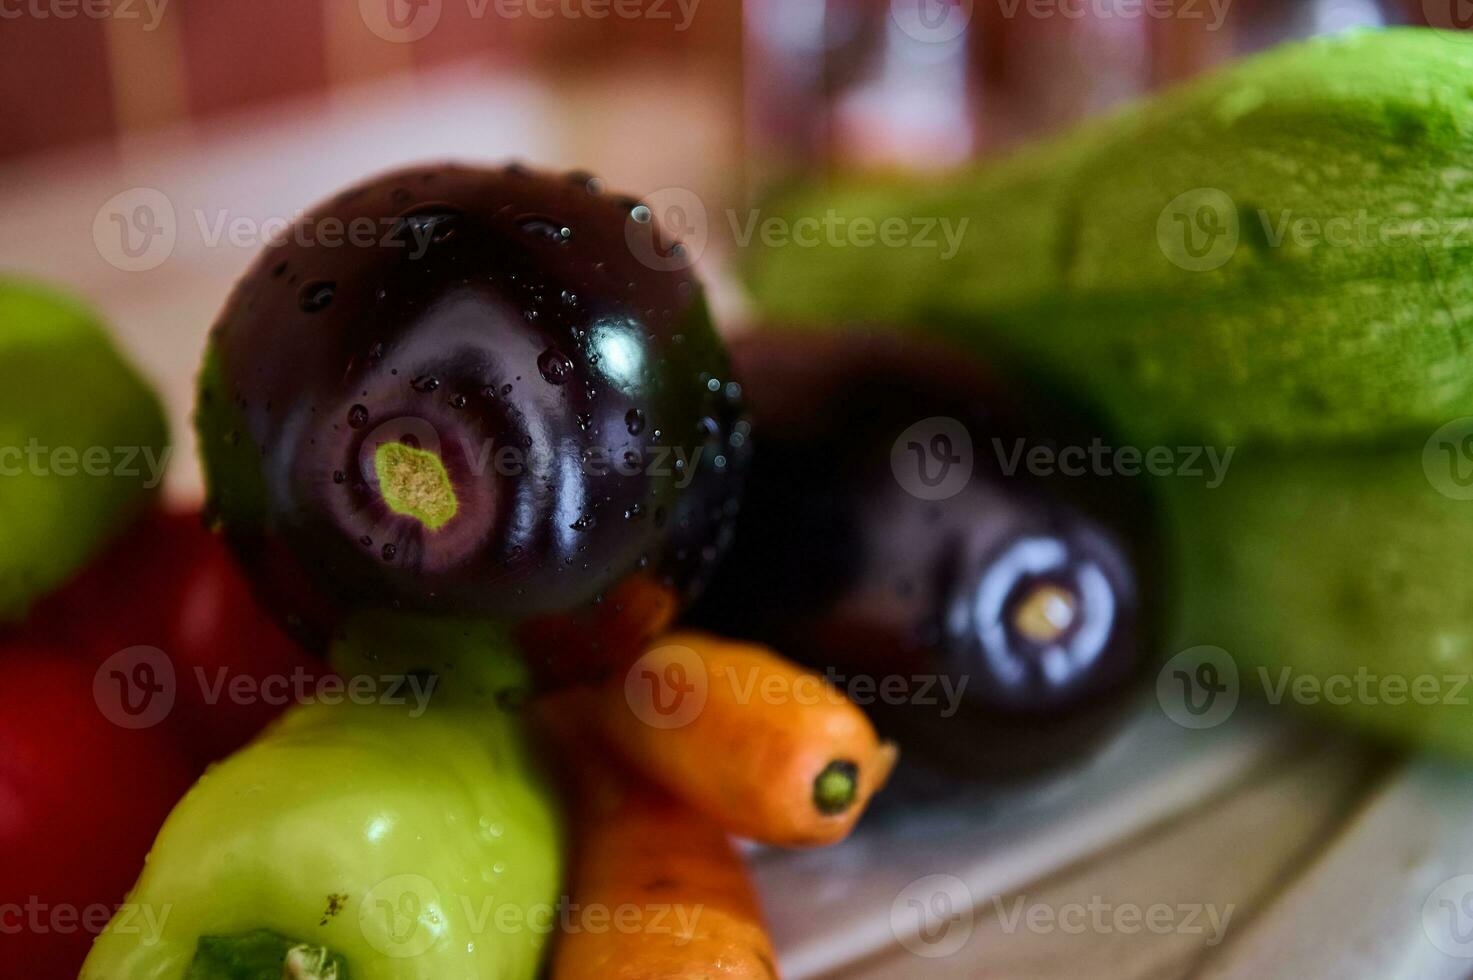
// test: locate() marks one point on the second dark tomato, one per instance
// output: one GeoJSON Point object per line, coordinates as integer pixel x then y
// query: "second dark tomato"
{"type": "Point", "coordinates": [990, 614]}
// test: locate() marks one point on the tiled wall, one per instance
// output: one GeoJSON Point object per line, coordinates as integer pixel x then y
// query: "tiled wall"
{"type": "Point", "coordinates": [75, 71]}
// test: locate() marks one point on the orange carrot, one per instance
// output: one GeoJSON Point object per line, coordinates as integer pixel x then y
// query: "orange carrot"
{"type": "Point", "coordinates": [657, 892]}
{"type": "Point", "coordinates": [761, 747]}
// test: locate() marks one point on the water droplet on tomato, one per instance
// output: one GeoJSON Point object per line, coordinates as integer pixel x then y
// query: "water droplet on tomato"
{"type": "Point", "coordinates": [316, 296]}
{"type": "Point", "coordinates": [555, 367]}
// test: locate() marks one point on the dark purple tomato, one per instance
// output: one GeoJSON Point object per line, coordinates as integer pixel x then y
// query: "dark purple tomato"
{"type": "Point", "coordinates": [894, 535]}
{"type": "Point", "coordinates": [462, 391]}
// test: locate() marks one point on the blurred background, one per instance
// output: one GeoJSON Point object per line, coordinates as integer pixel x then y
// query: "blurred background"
{"type": "Point", "coordinates": [191, 124]}
{"type": "Point", "coordinates": [800, 82]}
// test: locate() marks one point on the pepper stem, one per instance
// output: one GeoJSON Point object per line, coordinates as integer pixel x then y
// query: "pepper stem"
{"type": "Point", "coordinates": [263, 955]}
{"type": "Point", "coordinates": [311, 963]}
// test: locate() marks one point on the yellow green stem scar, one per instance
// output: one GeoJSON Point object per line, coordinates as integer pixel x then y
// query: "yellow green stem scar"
{"type": "Point", "coordinates": [413, 482]}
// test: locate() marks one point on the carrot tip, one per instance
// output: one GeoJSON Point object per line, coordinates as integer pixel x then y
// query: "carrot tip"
{"type": "Point", "coordinates": [836, 788]}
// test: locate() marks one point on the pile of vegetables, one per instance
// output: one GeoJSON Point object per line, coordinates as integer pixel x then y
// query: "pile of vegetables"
{"type": "Point", "coordinates": [476, 659]}
{"type": "Point", "coordinates": [460, 486]}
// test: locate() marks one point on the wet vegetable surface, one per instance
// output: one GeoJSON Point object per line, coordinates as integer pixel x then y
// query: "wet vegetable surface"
{"type": "Point", "coordinates": [894, 536]}
{"type": "Point", "coordinates": [480, 401]}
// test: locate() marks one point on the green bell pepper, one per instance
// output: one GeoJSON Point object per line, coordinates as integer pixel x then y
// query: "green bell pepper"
{"type": "Point", "coordinates": [365, 837]}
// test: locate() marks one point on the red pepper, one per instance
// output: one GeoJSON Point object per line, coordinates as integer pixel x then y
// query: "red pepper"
{"type": "Point", "coordinates": [171, 584]}
{"type": "Point", "coordinates": [81, 798]}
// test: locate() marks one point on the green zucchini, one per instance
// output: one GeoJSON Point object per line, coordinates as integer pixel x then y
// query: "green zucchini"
{"type": "Point", "coordinates": [1337, 582]}
{"type": "Point", "coordinates": [1281, 252]}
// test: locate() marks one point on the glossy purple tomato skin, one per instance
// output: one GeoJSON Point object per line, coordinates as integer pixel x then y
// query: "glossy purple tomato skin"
{"type": "Point", "coordinates": [843, 561]}
{"type": "Point", "coordinates": [500, 320]}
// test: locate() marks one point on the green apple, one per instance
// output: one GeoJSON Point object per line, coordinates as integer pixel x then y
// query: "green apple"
{"type": "Point", "coordinates": [83, 442]}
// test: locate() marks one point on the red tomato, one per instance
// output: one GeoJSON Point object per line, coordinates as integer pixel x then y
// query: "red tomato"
{"type": "Point", "coordinates": [171, 584]}
{"type": "Point", "coordinates": [243, 669]}
{"type": "Point", "coordinates": [81, 798]}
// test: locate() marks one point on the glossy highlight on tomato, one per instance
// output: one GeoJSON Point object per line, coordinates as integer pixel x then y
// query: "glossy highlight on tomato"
{"type": "Point", "coordinates": [489, 407]}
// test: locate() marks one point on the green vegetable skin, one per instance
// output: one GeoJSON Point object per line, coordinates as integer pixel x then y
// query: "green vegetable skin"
{"type": "Point", "coordinates": [412, 846]}
{"type": "Point", "coordinates": [1072, 257]}
{"type": "Point", "coordinates": [1342, 575]}
{"type": "Point", "coordinates": [65, 390]}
